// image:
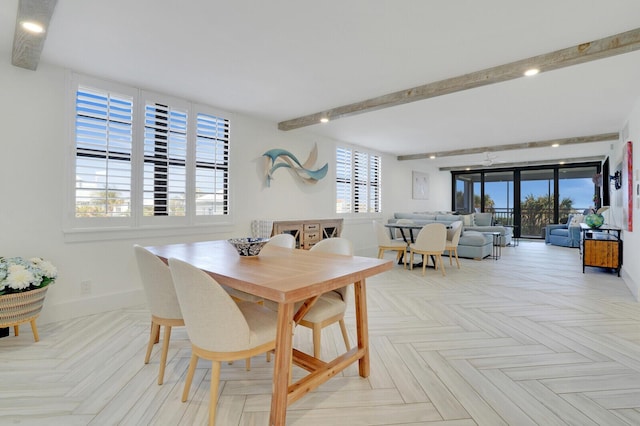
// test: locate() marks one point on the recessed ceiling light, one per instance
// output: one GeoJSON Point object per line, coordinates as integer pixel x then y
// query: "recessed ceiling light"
{"type": "Point", "coordinates": [562, 162]}
{"type": "Point", "coordinates": [432, 156]}
{"type": "Point", "coordinates": [32, 27]}
{"type": "Point", "coordinates": [555, 145]}
{"type": "Point", "coordinates": [531, 72]}
{"type": "Point", "coordinates": [324, 120]}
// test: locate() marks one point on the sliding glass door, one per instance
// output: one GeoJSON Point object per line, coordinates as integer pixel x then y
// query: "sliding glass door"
{"type": "Point", "coordinates": [576, 189]}
{"type": "Point", "coordinates": [498, 196]}
{"type": "Point", "coordinates": [529, 198]}
{"type": "Point", "coordinates": [536, 201]}
{"type": "Point", "coordinates": [468, 190]}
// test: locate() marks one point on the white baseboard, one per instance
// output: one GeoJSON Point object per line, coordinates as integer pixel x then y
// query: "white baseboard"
{"type": "Point", "coordinates": [89, 306]}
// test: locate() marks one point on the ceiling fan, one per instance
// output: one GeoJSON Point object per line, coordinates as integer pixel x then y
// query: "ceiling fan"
{"type": "Point", "coordinates": [489, 158]}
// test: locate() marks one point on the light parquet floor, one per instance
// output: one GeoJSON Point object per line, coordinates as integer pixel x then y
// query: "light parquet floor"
{"type": "Point", "coordinates": [525, 340]}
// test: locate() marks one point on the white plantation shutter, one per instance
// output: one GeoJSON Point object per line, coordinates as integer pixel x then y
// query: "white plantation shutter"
{"type": "Point", "coordinates": [343, 180]}
{"type": "Point", "coordinates": [357, 182]}
{"type": "Point", "coordinates": [165, 158]}
{"type": "Point", "coordinates": [361, 182]}
{"type": "Point", "coordinates": [145, 159]}
{"type": "Point", "coordinates": [374, 184]}
{"type": "Point", "coordinates": [103, 140]}
{"type": "Point", "coordinates": [212, 165]}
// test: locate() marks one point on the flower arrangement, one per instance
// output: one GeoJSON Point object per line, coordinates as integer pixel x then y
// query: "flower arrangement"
{"type": "Point", "coordinates": [18, 275]}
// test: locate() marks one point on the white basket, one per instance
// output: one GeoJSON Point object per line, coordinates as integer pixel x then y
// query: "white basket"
{"type": "Point", "coordinates": [18, 308]}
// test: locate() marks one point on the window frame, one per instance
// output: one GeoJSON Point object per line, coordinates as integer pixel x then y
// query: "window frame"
{"type": "Point", "coordinates": [121, 227]}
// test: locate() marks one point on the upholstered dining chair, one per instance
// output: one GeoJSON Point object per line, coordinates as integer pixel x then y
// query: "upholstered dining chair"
{"type": "Point", "coordinates": [385, 243]}
{"type": "Point", "coordinates": [219, 328]}
{"type": "Point", "coordinates": [162, 301]}
{"type": "Point", "coordinates": [431, 241]}
{"type": "Point", "coordinates": [453, 238]}
{"type": "Point", "coordinates": [281, 240]}
{"type": "Point", "coordinates": [331, 306]}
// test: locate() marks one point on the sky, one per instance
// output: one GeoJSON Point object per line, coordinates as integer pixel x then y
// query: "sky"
{"type": "Point", "coordinates": [579, 190]}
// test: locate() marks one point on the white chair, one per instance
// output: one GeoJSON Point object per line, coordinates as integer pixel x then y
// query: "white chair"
{"type": "Point", "coordinates": [453, 238]}
{"type": "Point", "coordinates": [431, 241]}
{"type": "Point", "coordinates": [162, 301]}
{"type": "Point", "coordinates": [385, 243]}
{"type": "Point", "coordinates": [331, 306]}
{"type": "Point", "coordinates": [219, 328]}
{"type": "Point", "coordinates": [281, 240]}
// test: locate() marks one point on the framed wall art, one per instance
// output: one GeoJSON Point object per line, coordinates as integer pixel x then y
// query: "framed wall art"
{"type": "Point", "coordinates": [420, 186]}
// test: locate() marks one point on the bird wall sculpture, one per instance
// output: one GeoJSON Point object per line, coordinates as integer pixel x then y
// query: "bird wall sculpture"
{"type": "Point", "coordinates": [278, 158]}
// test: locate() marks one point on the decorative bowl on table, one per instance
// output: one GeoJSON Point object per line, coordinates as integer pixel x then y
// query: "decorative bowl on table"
{"type": "Point", "coordinates": [594, 220]}
{"type": "Point", "coordinates": [248, 246]}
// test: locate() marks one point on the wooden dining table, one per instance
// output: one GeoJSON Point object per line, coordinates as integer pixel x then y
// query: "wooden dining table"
{"type": "Point", "coordinates": [287, 276]}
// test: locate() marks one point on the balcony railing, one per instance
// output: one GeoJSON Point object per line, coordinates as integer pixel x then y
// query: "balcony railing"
{"type": "Point", "coordinates": [532, 221]}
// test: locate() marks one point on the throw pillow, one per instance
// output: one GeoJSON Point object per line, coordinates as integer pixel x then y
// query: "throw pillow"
{"type": "Point", "coordinates": [576, 220]}
{"type": "Point", "coordinates": [467, 219]}
{"type": "Point", "coordinates": [483, 219]}
{"type": "Point", "coordinates": [569, 218]}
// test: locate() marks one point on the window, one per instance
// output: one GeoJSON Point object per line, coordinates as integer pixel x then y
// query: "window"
{"type": "Point", "coordinates": [165, 161]}
{"type": "Point", "coordinates": [357, 182]}
{"type": "Point", "coordinates": [212, 165]}
{"type": "Point", "coordinates": [146, 159]}
{"type": "Point", "coordinates": [104, 141]}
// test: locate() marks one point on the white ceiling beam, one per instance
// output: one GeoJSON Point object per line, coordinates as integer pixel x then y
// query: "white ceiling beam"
{"type": "Point", "coordinates": [614, 136]}
{"type": "Point", "coordinates": [27, 45]}
{"type": "Point", "coordinates": [585, 52]}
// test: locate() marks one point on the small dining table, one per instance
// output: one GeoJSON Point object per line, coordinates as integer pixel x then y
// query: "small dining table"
{"type": "Point", "coordinates": [410, 227]}
{"type": "Point", "coordinates": [287, 276]}
{"type": "Point", "coordinates": [405, 227]}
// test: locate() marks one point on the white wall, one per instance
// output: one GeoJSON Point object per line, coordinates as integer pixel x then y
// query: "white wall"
{"type": "Point", "coordinates": [32, 183]}
{"type": "Point", "coordinates": [631, 240]}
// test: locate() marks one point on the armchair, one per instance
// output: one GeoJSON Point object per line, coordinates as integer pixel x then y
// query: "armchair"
{"type": "Point", "coordinates": [564, 234]}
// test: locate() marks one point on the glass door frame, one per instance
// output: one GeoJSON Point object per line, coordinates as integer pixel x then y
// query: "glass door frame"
{"type": "Point", "coordinates": [517, 189]}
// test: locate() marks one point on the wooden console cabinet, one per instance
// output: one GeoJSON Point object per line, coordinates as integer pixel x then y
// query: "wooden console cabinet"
{"type": "Point", "coordinates": [602, 248]}
{"type": "Point", "coordinates": [308, 232]}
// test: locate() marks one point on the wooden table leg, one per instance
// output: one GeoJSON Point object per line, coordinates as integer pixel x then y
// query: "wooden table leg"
{"type": "Point", "coordinates": [362, 326]}
{"type": "Point", "coordinates": [282, 365]}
